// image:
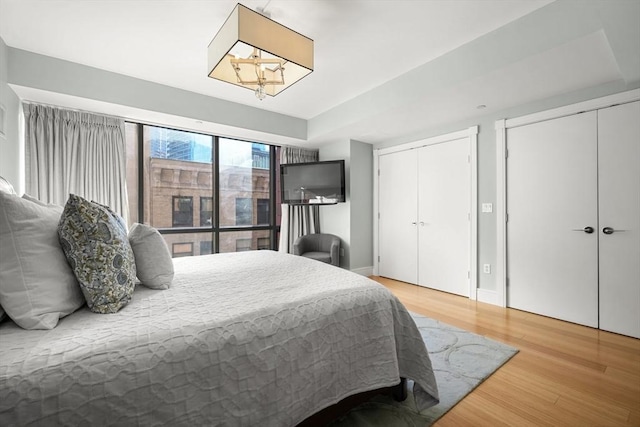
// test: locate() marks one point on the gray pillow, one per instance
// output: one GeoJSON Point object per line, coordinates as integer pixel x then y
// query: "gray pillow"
{"type": "Point", "coordinates": [95, 243]}
{"type": "Point", "coordinates": [37, 287]}
{"type": "Point", "coordinates": [154, 265]}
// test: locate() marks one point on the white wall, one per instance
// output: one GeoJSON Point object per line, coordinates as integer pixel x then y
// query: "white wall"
{"type": "Point", "coordinates": [11, 150]}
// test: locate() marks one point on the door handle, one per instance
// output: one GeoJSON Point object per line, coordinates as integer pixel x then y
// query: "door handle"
{"type": "Point", "coordinates": [611, 230]}
{"type": "Point", "coordinates": [587, 229]}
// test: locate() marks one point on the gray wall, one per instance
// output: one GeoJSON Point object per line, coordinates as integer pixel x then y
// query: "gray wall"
{"type": "Point", "coordinates": [11, 160]}
{"type": "Point", "coordinates": [69, 78]}
{"type": "Point", "coordinates": [352, 221]}
{"type": "Point", "coordinates": [361, 218]}
{"type": "Point", "coordinates": [336, 219]}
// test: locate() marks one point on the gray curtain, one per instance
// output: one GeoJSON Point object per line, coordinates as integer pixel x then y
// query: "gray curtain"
{"type": "Point", "coordinates": [297, 221]}
{"type": "Point", "coordinates": [75, 152]}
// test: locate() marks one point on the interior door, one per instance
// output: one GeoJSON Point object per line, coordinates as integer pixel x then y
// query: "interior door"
{"type": "Point", "coordinates": [552, 205]}
{"type": "Point", "coordinates": [619, 209]}
{"type": "Point", "coordinates": [444, 199]}
{"type": "Point", "coordinates": [398, 237]}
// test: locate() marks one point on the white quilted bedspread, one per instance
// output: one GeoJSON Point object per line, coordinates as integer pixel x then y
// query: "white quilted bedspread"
{"type": "Point", "coordinates": [243, 339]}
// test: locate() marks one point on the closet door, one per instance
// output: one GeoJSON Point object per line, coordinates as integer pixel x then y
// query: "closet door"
{"type": "Point", "coordinates": [619, 209]}
{"type": "Point", "coordinates": [398, 236]}
{"type": "Point", "coordinates": [552, 224]}
{"type": "Point", "coordinates": [444, 198]}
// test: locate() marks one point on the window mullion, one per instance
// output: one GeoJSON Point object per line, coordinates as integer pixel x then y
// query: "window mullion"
{"type": "Point", "coordinates": [272, 197]}
{"type": "Point", "coordinates": [215, 164]}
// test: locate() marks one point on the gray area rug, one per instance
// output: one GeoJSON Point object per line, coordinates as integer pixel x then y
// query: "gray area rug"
{"type": "Point", "coordinates": [461, 360]}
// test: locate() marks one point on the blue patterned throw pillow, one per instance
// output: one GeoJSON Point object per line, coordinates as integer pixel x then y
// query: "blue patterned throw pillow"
{"type": "Point", "coordinates": [94, 241]}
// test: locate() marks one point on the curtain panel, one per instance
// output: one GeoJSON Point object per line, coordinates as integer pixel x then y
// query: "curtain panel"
{"type": "Point", "coordinates": [297, 221]}
{"type": "Point", "coordinates": [75, 152]}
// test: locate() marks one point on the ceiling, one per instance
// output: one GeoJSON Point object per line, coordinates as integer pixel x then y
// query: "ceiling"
{"type": "Point", "coordinates": [383, 68]}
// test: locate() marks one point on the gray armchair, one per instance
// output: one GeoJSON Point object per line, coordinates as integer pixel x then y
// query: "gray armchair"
{"type": "Point", "coordinates": [321, 247]}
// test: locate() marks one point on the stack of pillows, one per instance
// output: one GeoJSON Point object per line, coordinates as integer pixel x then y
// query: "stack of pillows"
{"type": "Point", "coordinates": [54, 260]}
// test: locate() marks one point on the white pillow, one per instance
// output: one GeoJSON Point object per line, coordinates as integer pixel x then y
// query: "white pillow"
{"type": "Point", "coordinates": [153, 259]}
{"type": "Point", "coordinates": [37, 286]}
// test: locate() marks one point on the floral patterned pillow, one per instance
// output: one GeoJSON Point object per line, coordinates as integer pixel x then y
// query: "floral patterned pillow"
{"type": "Point", "coordinates": [94, 241]}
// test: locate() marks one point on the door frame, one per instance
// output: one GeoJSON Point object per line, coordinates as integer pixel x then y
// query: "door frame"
{"type": "Point", "coordinates": [501, 127]}
{"type": "Point", "coordinates": [472, 134]}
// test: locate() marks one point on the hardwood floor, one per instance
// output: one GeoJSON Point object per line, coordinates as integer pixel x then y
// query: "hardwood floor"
{"type": "Point", "coordinates": [564, 374]}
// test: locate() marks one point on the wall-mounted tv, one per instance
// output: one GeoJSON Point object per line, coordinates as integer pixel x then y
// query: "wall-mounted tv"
{"type": "Point", "coordinates": [320, 183]}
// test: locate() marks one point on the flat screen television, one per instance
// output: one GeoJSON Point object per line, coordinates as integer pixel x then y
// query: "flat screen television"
{"type": "Point", "coordinates": [319, 183]}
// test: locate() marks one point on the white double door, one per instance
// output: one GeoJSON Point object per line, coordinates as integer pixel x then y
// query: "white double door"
{"type": "Point", "coordinates": [573, 225]}
{"type": "Point", "coordinates": [424, 226]}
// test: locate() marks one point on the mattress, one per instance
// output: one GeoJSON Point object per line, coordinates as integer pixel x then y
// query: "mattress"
{"type": "Point", "coordinates": [240, 339]}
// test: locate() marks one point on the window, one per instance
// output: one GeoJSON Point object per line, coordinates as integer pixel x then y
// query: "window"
{"type": "Point", "coordinates": [206, 211]}
{"type": "Point", "coordinates": [182, 249]}
{"type": "Point", "coordinates": [206, 247]}
{"type": "Point", "coordinates": [243, 245]}
{"type": "Point", "coordinates": [182, 211]}
{"type": "Point", "coordinates": [215, 190]}
{"type": "Point", "coordinates": [263, 211]}
{"type": "Point", "coordinates": [263, 243]}
{"type": "Point", "coordinates": [244, 211]}
{"type": "Point", "coordinates": [245, 177]}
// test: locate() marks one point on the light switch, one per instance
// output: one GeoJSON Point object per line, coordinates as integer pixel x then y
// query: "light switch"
{"type": "Point", "coordinates": [487, 207]}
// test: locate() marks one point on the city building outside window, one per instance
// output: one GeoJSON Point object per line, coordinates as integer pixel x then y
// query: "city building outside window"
{"type": "Point", "coordinates": [243, 245]}
{"type": "Point", "coordinates": [263, 243]}
{"type": "Point", "coordinates": [179, 179]}
{"type": "Point", "coordinates": [182, 249]}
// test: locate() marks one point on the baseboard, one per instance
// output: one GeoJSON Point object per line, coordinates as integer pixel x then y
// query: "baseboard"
{"type": "Point", "coordinates": [364, 271]}
{"type": "Point", "coordinates": [488, 296]}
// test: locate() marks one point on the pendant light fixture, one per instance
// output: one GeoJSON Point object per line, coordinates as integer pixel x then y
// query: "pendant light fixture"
{"type": "Point", "coordinates": [255, 52]}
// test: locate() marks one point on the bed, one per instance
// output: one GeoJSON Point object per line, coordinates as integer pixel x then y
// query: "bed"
{"type": "Point", "coordinates": [240, 339]}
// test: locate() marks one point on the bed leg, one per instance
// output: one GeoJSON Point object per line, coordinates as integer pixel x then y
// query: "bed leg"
{"type": "Point", "coordinates": [400, 391]}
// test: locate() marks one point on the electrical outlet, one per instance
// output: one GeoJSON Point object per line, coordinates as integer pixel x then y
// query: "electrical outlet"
{"type": "Point", "coordinates": [487, 207]}
{"type": "Point", "coordinates": [486, 268]}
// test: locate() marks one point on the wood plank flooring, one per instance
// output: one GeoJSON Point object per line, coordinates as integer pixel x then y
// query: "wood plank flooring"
{"type": "Point", "coordinates": [564, 374]}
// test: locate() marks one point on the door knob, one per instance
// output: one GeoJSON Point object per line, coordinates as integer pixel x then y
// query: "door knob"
{"type": "Point", "coordinates": [587, 229]}
{"type": "Point", "coordinates": [608, 230]}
